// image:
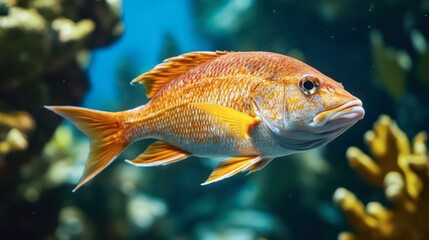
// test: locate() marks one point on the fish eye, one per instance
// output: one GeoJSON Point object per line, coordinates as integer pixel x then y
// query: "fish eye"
{"type": "Point", "coordinates": [308, 84]}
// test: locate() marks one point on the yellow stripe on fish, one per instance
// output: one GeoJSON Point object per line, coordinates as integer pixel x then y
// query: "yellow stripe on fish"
{"type": "Point", "coordinates": [248, 106]}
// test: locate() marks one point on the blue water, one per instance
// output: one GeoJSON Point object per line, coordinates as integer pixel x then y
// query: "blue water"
{"type": "Point", "coordinates": [146, 24]}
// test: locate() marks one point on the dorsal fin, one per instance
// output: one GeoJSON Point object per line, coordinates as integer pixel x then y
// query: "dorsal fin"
{"type": "Point", "coordinates": [170, 68]}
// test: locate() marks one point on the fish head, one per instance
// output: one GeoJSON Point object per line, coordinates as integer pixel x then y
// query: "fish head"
{"type": "Point", "coordinates": [316, 109]}
{"type": "Point", "coordinates": [315, 101]}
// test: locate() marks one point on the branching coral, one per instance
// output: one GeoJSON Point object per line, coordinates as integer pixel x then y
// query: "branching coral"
{"type": "Point", "coordinates": [402, 168]}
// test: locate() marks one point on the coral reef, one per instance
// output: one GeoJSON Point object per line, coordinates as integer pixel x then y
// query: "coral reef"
{"type": "Point", "coordinates": [14, 130]}
{"type": "Point", "coordinates": [44, 51]}
{"type": "Point", "coordinates": [37, 37]}
{"type": "Point", "coordinates": [42, 44]}
{"type": "Point", "coordinates": [46, 47]}
{"type": "Point", "coordinates": [401, 73]}
{"type": "Point", "coordinates": [402, 169]}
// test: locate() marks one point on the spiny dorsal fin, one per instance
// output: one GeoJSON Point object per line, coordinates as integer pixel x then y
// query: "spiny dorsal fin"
{"type": "Point", "coordinates": [232, 166]}
{"type": "Point", "coordinates": [171, 68]}
{"type": "Point", "coordinates": [159, 153]}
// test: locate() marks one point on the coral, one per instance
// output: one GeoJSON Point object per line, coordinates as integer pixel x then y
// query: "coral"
{"type": "Point", "coordinates": [45, 48]}
{"type": "Point", "coordinates": [402, 169]}
{"type": "Point", "coordinates": [41, 44]}
{"type": "Point", "coordinates": [14, 128]}
{"type": "Point", "coordinates": [19, 52]}
{"type": "Point", "coordinates": [43, 36]}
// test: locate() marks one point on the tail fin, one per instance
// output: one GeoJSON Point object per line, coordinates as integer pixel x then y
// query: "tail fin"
{"type": "Point", "coordinates": [106, 134]}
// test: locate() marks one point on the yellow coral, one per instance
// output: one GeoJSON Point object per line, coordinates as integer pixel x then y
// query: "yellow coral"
{"type": "Point", "coordinates": [13, 131]}
{"type": "Point", "coordinates": [402, 168]}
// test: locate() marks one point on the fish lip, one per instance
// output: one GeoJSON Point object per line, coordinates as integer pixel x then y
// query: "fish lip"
{"type": "Point", "coordinates": [351, 111]}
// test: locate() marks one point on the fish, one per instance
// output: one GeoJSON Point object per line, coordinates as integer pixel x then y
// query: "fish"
{"type": "Point", "coordinates": [245, 107]}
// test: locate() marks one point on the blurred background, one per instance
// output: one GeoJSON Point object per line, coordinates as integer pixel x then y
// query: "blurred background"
{"type": "Point", "coordinates": [85, 53]}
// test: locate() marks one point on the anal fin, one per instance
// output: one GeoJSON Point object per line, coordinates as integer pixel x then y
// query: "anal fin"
{"type": "Point", "coordinates": [159, 153]}
{"type": "Point", "coordinates": [233, 166]}
{"type": "Point", "coordinates": [259, 165]}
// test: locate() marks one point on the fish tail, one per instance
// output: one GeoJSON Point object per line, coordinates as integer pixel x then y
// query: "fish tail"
{"type": "Point", "coordinates": [105, 131]}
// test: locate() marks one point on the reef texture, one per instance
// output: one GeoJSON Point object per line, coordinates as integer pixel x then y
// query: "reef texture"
{"type": "Point", "coordinates": [402, 169]}
{"type": "Point", "coordinates": [44, 46]}
{"type": "Point", "coordinates": [44, 49]}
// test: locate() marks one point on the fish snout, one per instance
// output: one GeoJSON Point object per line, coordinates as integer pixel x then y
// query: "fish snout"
{"type": "Point", "coordinates": [349, 112]}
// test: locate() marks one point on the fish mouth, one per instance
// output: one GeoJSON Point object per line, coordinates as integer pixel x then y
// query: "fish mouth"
{"type": "Point", "coordinates": [324, 127]}
{"type": "Point", "coordinates": [349, 112]}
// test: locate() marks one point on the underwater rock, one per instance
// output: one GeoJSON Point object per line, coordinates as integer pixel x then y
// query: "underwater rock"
{"type": "Point", "coordinates": [402, 169]}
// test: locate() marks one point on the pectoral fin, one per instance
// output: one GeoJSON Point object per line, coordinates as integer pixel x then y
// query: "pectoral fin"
{"type": "Point", "coordinates": [238, 122]}
{"type": "Point", "coordinates": [231, 167]}
{"type": "Point", "coordinates": [159, 153]}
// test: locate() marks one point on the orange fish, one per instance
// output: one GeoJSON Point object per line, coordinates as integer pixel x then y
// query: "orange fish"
{"type": "Point", "coordinates": [248, 106]}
